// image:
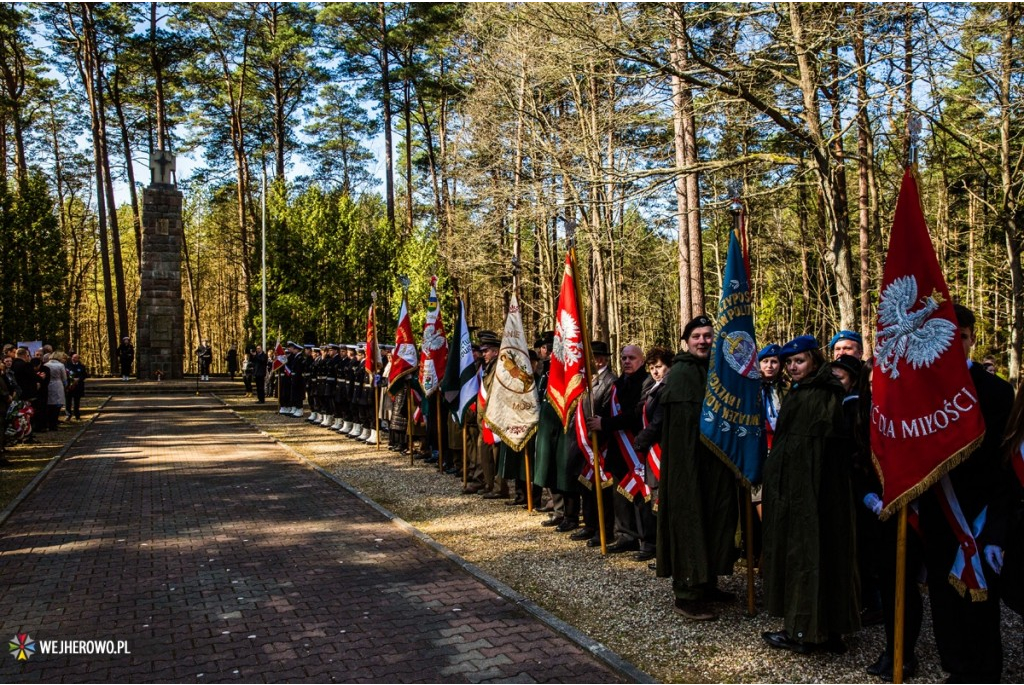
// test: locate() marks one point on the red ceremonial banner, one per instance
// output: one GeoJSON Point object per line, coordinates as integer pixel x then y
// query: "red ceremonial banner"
{"type": "Point", "coordinates": [404, 358]}
{"type": "Point", "coordinates": [925, 416]}
{"type": "Point", "coordinates": [566, 379]}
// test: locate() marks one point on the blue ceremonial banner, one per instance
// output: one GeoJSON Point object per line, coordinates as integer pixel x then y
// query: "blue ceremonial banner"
{"type": "Point", "coordinates": [732, 418]}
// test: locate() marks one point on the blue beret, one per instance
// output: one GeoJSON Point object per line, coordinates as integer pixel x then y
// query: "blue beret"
{"type": "Point", "coordinates": [846, 335]}
{"type": "Point", "coordinates": [799, 344]}
{"type": "Point", "coordinates": [769, 351]}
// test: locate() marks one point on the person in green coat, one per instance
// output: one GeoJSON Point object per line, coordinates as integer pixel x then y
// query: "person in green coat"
{"type": "Point", "coordinates": [697, 497]}
{"type": "Point", "coordinates": [810, 559]}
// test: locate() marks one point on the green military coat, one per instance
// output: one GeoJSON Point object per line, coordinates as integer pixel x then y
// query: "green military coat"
{"type": "Point", "coordinates": [810, 563]}
{"type": "Point", "coordinates": [697, 507]}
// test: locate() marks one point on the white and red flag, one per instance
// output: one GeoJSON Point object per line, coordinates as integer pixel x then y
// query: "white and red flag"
{"type": "Point", "coordinates": [925, 416]}
{"type": "Point", "coordinates": [403, 361]}
{"type": "Point", "coordinates": [280, 359]}
{"type": "Point", "coordinates": [434, 352]}
{"type": "Point", "coordinates": [512, 407]}
{"type": "Point", "coordinates": [566, 379]}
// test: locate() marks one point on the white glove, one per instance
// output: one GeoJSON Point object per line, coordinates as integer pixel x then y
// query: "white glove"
{"type": "Point", "coordinates": [994, 557]}
{"type": "Point", "coordinates": [873, 502]}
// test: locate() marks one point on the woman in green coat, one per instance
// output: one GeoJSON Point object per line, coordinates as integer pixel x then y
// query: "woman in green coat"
{"type": "Point", "coordinates": [809, 540]}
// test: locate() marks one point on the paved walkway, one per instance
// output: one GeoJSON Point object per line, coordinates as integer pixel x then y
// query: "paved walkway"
{"type": "Point", "coordinates": [218, 557]}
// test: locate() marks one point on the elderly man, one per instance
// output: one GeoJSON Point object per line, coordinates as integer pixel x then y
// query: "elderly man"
{"type": "Point", "coordinates": [620, 419]}
{"type": "Point", "coordinates": [847, 342]}
{"type": "Point", "coordinates": [697, 511]}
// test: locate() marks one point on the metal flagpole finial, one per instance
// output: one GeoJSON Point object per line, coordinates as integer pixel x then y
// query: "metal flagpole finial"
{"type": "Point", "coordinates": [570, 231]}
{"type": "Point", "coordinates": [516, 266]}
{"type": "Point", "coordinates": [914, 136]}
{"type": "Point", "coordinates": [373, 296]}
{"type": "Point", "coordinates": [735, 188]}
{"type": "Point", "coordinates": [404, 280]}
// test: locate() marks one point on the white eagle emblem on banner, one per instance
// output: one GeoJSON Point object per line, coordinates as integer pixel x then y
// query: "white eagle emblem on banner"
{"type": "Point", "coordinates": [910, 335]}
{"type": "Point", "coordinates": [566, 347]}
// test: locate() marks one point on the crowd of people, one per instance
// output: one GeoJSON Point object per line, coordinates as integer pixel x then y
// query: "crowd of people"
{"type": "Point", "coordinates": [35, 390]}
{"type": "Point", "coordinates": [827, 560]}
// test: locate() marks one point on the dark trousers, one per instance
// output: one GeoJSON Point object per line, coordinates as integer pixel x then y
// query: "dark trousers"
{"type": "Point", "coordinates": [886, 566]}
{"type": "Point", "coordinates": [52, 416]}
{"type": "Point", "coordinates": [590, 517]}
{"type": "Point", "coordinates": [247, 382]}
{"type": "Point", "coordinates": [967, 633]}
{"type": "Point", "coordinates": [75, 406]}
{"type": "Point", "coordinates": [261, 388]}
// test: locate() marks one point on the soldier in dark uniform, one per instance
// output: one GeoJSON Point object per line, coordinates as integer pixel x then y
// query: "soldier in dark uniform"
{"type": "Point", "coordinates": [343, 392]}
{"type": "Point", "coordinates": [313, 381]}
{"type": "Point", "coordinates": [284, 380]}
{"type": "Point", "coordinates": [361, 396]}
{"type": "Point", "coordinates": [330, 379]}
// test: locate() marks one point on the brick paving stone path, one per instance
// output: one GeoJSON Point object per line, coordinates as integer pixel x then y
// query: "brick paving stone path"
{"type": "Point", "coordinates": [219, 557]}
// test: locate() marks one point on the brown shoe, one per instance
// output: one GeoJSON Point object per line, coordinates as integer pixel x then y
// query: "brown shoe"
{"type": "Point", "coordinates": [472, 489]}
{"type": "Point", "coordinates": [694, 610]}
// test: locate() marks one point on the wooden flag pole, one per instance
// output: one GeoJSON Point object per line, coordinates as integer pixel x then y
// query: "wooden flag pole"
{"type": "Point", "coordinates": [408, 424]}
{"type": "Point", "coordinates": [440, 445]}
{"type": "Point", "coordinates": [751, 610]}
{"type": "Point", "coordinates": [901, 577]}
{"type": "Point", "coordinates": [376, 411]}
{"type": "Point", "coordinates": [465, 460]}
{"type": "Point", "coordinates": [529, 480]}
{"type": "Point", "coordinates": [584, 334]}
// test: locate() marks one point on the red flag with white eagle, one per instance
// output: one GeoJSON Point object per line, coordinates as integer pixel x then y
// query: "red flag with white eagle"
{"type": "Point", "coordinates": [566, 379]}
{"type": "Point", "coordinates": [925, 416]}
{"type": "Point", "coordinates": [434, 352]}
{"type": "Point", "coordinates": [403, 362]}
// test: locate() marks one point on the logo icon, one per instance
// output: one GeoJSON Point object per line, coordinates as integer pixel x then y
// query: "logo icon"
{"type": "Point", "coordinates": [908, 334]}
{"type": "Point", "coordinates": [22, 646]}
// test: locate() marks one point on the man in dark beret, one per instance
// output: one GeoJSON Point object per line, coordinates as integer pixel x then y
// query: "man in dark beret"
{"type": "Point", "coordinates": [697, 511]}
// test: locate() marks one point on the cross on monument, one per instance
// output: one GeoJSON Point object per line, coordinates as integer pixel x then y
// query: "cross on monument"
{"type": "Point", "coordinates": [161, 166]}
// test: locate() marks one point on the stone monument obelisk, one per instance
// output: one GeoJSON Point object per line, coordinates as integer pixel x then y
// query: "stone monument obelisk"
{"type": "Point", "coordinates": [160, 326]}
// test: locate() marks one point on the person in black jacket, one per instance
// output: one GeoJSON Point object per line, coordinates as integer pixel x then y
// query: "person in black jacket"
{"type": "Point", "coordinates": [620, 420]}
{"type": "Point", "coordinates": [77, 373]}
{"type": "Point", "coordinates": [648, 447]}
{"type": "Point", "coordinates": [966, 629]}
{"type": "Point", "coordinates": [204, 355]}
{"type": "Point", "coordinates": [259, 373]}
{"type": "Point", "coordinates": [126, 357]}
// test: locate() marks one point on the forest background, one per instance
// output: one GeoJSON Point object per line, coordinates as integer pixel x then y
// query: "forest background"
{"type": "Point", "coordinates": [502, 125]}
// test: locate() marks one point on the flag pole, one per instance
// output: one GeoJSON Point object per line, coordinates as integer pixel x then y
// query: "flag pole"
{"type": "Point", "coordinates": [901, 578]}
{"type": "Point", "coordinates": [465, 460]}
{"type": "Point", "coordinates": [376, 410]}
{"type": "Point", "coordinates": [736, 209]}
{"type": "Point", "coordinates": [408, 423]}
{"type": "Point", "coordinates": [440, 448]}
{"type": "Point", "coordinates": [373, 363]}
{"type": "Point", "coordinates": [913, 135]}
{"type": "Point", "coordinates": [585, 335]}
{"type": "Point", "coordinates": [751, 610]}
{"type": "Point", "coordinates": [529, 480]}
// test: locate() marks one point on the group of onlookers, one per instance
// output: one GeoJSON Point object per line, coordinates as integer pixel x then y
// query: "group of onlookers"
{"type": "Point", "coordinates": [35, 389]}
